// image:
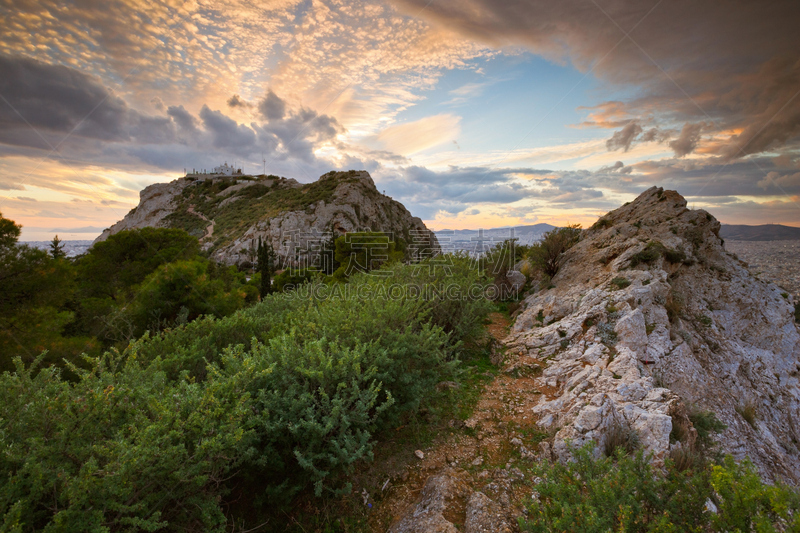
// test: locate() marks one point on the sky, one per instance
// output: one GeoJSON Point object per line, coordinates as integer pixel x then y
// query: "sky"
{"type": "Point", "coordinates": [472, 113]}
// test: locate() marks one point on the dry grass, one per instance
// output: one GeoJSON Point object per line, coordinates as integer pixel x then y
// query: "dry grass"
{"type": "Point", "coordinates": [621, 436]}
{"type": "Point", "coordinates": [748, 410]}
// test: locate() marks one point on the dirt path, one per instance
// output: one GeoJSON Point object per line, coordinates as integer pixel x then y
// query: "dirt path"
{"type": "Point", "coordinates": [209, 228]}
{"type": "Point", "coordinates": [483, 453]}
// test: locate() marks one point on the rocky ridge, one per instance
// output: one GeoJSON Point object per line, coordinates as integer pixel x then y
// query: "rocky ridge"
{"type": "Point", "coordinates": [230, 214]}
{"type": "Point", "coordinates": [648, 318]}
{"type": "Point", "coordinates": [649, 315]}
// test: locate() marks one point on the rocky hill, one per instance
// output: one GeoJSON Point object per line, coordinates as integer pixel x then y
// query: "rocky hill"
{"type": "Point", "coordinates": [230, 214]}
{"type": "Point", "coordinates": [648, 316]}
{"type": "Point", "coordinates": [765, 232]}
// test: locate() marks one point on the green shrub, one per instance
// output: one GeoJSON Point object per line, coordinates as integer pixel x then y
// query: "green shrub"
{"type": "Point", "coordinates": [745, 503]}
{"type": "Point", "coordinates": [705, 320]}
{"type": "Point", "coordinates": [547, 255]}
{"type": "Point", "coordinates": [121, 448]}
{"type": "Point", "coordinates": [623, 493]}
{"type": "Point", "coordinates": [289, 393]}
{"type": "Point", "coordinates": [603, 223]}
{"type": "Point", "coordinates": [291, 278]}
{"type": "Point", "coordinates": [706, 423]}
{"type": "Point", "coordinates": [626, 493]}
{"type": "Point", "coordinates": [650, 253]}
{"type": "Point", "coordinates": [674, 256]}
{"type": "Point", "coordinates": [620, 283]}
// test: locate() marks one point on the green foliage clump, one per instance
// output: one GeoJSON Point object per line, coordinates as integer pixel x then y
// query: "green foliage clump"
{"type": "Point", "coordinates": [292, 278]}
{"type": "Point", "coordinates": [363, 252]}
{"type": "Point", "coordinates": [547, 255]}
{"type": "Point", "coordinates": [748, 410]}
{"type": "Point", "coordinates": [35, 288]}
{"type": "Point", "coordinates": [603, 223]}
{"type": "Point", "coordinates": [706, 424]}
{"type": "Point", "coordinates": [114, 267]}
{"type": "Point", "coordinates": [150, 279]}
{"type": "Point", "coordinates": [120, 448]}
{"type": "Point", "coordinates": [649, 254]}
{"type": "Point", "coordinates": [620, 283]}
{"type": "Point", "coordinates": [626, 493]}
{"type": "Point", "coordinates": [619, 493]}
{"type": "Point", "coordinates": [674, 256]}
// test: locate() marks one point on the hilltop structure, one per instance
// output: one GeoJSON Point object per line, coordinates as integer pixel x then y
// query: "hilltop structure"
{"type": "Point", "coordinates": [216, 172]}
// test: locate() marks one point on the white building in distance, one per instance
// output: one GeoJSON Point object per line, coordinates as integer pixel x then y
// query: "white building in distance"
{"type": "Point", "coordinates": [222, 170]}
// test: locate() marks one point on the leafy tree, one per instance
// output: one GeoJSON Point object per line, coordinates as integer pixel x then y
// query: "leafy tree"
{"type": "Point", "coordinates": [57, 249]}
{"type": "Point", "coordinates": [363, 252]}
{"type": "Point", "coordinates": [291, 278]}
{"type": "Point", "coordinates": [9, 232]}
{"type": "Point", "coordinates": [266, 267]}
{"type": "Point", "coordinates": [112, 268]}
{"type": "Point", "coordinates": [33, 290]}
{"type": "Point", "coordinates": [547, 255]}
{"type": "Point", "coordinates": [109, 274]}
{"type": "Point", "coordinates": [181, 291]}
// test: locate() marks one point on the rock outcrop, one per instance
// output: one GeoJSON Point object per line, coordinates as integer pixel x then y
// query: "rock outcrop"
{"type": "Point", "coordinates": [650, 317]}
{"type": "Point", "coordinates": [230, 214]}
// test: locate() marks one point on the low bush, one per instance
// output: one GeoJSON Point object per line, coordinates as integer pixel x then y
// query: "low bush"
{"type": "Point", "coordinates": [706, 424]}
{"type": "Point", "coordinates": [620, 283]}
{"type": "Point", "coordinates": [547, 255]}
{"type": "Point", "coordinates": [652, 251]}
{"type": "Point", "coordinates": [626, 493]}
{"type": "Point", "coordinates": [603, 223]}
{"type": "Point", "coordinates": [620, 437]}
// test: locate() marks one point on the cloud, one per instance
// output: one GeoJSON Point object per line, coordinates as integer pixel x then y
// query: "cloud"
{"type": "Point", "coordinates": [624, 137]}
{"type": "Point", "coordinates": [776, 180]}
{"type": "Point", "coordinates": [44, 99]}
{"type": "Point", "coordinates": [185, 121]}
{"type": "Point", "coordinates": [227, 133]}
{"type": "Point", "coordinates": [272, 107]}
{"type": "Point", "coordinates": [687, 140]}
{"type": "Point", "coordinates": [619, 167]}
{"type": "Point", "coordinates": [413, 137]}
{"type": "Point", "coordinates": [238, 101]}
{"type": "Point", "coordinates": [729, 64]}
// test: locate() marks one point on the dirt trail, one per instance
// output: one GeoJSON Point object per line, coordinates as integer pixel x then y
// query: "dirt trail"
{"type": "Point", "coordinates": [209, 228]}
{"type": "Point", "coordinates": [482, 454]}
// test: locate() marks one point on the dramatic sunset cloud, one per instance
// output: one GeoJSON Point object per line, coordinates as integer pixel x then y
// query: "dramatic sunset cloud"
{"type": "Point", "coordinates": [471, 112]}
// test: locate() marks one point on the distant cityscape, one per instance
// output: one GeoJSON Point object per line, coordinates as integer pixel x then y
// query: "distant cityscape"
{"type": "Point", "coordinates": [776, 261]}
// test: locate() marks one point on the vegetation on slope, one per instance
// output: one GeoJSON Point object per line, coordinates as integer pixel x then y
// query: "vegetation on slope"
{"type": "Point", "coordinates": [283, 395]}
{"type": "Point", "coordinates": [235, 212]}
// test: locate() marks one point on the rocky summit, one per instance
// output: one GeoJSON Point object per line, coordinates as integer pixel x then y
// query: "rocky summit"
{"type": "Point", "coordinates": [648, 317]}
{"type": "Point", "coordinates": [230, 213]}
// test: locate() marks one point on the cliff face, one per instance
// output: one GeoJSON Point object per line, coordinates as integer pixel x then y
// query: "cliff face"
{"type": "Point", "coordinates": [650, 315]}
{"type": "Point", "coordinates": [229, 215]}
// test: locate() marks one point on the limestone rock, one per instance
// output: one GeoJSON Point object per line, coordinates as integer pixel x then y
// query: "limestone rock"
{"type": "Point", "coordinates": [485, 516]}
{"type": "Point", "coordinates": [426, 515]}
{"type": "Point", "coordinates": [683, 322]}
